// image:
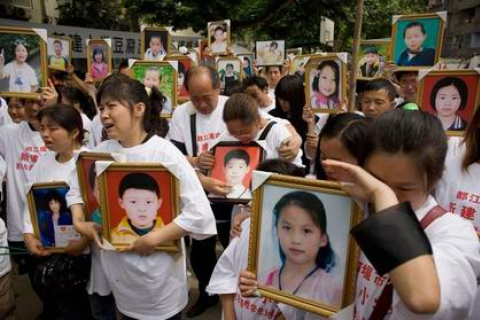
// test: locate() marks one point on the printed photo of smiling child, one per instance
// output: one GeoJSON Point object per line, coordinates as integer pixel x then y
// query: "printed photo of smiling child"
{"type": "Point", "coordinates": [140, 197]}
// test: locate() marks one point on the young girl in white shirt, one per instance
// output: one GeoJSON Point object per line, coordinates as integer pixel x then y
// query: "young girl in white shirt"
{"type": "Point", "coordinates": [146, 284]}
{"type": "Point", "coordinates": [430, 257]}
{"type": "Point", "coordinates": [62, 132]}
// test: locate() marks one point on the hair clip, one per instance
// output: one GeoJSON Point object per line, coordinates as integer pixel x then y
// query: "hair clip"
{"type": "Point", "coordinates": [149, 91]}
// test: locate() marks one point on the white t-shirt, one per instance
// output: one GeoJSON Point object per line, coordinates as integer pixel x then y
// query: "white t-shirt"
{"type": "Point", "coordinates": [88, 126]}
{"type": "Point", "coordinates": [278, 133]}
{"type": "Point", "coordinates": [456, 252]}
{"type": "Point", "coordinates": [155, 286]}
{"type": "Point", "coordinates": [4, 116]}
{"type": "Point", "coordinates": [21, 77]}
{"type": "Point", "coordinates": [21, 148]}
{"type": "Point", "coordinates": [97, 128]}
{"type": "Point", "coordinates": [209, 127]}
{"type": "Point", "coordinates": [459, 191]}
{"type": "Point", "coordinates": [5, 265]}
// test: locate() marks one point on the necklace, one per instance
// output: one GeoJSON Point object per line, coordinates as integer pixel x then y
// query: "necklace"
{"type": "Point", "coordinates": [301, 282]}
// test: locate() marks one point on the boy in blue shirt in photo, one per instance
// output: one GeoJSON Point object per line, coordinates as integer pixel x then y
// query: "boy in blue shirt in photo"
{"type": "Point", "coordinates": [415, 54]}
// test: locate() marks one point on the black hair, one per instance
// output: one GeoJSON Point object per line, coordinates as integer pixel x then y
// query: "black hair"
{"type": "Point", "coordinates": [400, 74]}
{"type": "Point", "coordinates": [58, 41]}
{"type": "Point", "coordinates": [233, 87]}
{"type": "Point", "coordinates": [258, 81]}
{"type": "Point", "coordinates": [280, 68]}
{"type": "Point", "coordinates": [414, 133]}
{"type": "Point", "coordinates": [229, 65]}
{"type": "Point", "coordinates": [371, 49]}
{"type": "Point", "coordinates": [458, 83]}
{"type": "Point", "coordinates": [351, 129]}
{"type": "Point", "coordinates": [18, 100]}
{"type": "Point", "coordinates": [274, 44]}
{"type": "Point", "coordinates": [92, 175]}
{"type": "Point", "coordinates": [236, 154]}
{"type": "Point", "coordinates": [211, 71]}
{"type": "Point", "coordinates": [138, 180]}
{"type": "Point", "coordinates": [121, 88]}
{"type": "Point", "coordinates": [240, 106]}
{"type": "Point", "coordinates": [219, 27]}
{"type": "Point", "coordinates": [181, 67]}
{"type": "Point", "coordinates": [96, 51]}
{"type": "Point", "coordinates": [381, 84]}
{"type": "Point", "coordinates": [412, 25]}
{"type": "Point", "coordinates": [74, 95]}
{"type": "Point", "coordinates": [122, 65]}
{"type": "Point", "coordinates": [328, 63]}
{"type": "Point", "coordinates": [472, 141]}
{"type": "Point", "coordinates": [54, 195]}
{"type": "Point", "coordinates": [65, 116]}
{"type": "Point", "coordinates": [313, 205]}
{"type": "Point", "coordinates": [281, 166]}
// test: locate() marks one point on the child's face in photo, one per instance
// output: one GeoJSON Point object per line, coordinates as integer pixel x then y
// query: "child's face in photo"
{"type": "Point", "coordinates": [98, 57]}
{"type": "Point", "coordinates": [155, 45]}
{"type": "Point", "coordinates": [245, 63]}
{"type": "Point", "coordinates": [299, 237]}
{"type": "Point", "coordinates": [235, 171]}
{"type": "Point", "coordinates": [152, 79]}
{"type": "Point", "coordinates": [21, 53]}
{"type": "Point", "coordinates": [219, 35]}
{"type": "Point", "coordinates": [229, 70]}
{"type": "Point", "coordinates": [54, 206]}
{"type": "Point", "coordinates": [447, 101]}
{"type": "Point", "coordinates": [181, 79]}
{"type": "Point", "coordinates": [58, 49]}
{"type": "Point", "coordinates": [141, 207]}
{"type": "Point", "coordinates": [414, 39]}
{"type": "Point", "coordinates": [327, 81]}
{"type": "Point", "coordinates": [371, 58]}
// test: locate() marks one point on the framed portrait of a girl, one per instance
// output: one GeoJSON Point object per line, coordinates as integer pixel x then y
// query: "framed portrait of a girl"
{"type": "Point", "coordinates": [99, 58]}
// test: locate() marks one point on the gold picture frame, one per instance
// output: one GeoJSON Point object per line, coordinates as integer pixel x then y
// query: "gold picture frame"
{"type": "Point", "coordinates": [70, 51]}
{"type": "Point", "coordinates": [311, 73]}
{"type": "Point", "coordinates": [224, 62]}
{"type": "Point", "coordinates": [86, 172]}
{"type": "Point", "coordinates": [168, 85]}
{"type": "Point", "coordinates": [53, 238]}
{"type": "Point", "coordinates": [8, 39]}
{"type": "Point", "coordinates": [419, 18]}
{"type": "Point", "coordinates": [211, 26]}
{"type": "Point", "coordinates": [164, 35]}
{"type": "Point", "coordinates": [123, 234]}
{"type": "Point", "coordinates": [261, 234]}
{"type": "Point", "coordinates": [182, 94]}
{"type": "Point", "coordinates": [292, 63]}
{"type": "Point", "coordinates": [105, 46]}
{"type": "Point", "coordinates": [377, 43]}
{"type": "Point", "coordinates": [428, 85]}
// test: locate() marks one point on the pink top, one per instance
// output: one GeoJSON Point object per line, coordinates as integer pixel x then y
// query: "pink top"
{"type": "Point", "coordinates": [99, 70]}
{"type": "Point", "coordinates": [319, 101]}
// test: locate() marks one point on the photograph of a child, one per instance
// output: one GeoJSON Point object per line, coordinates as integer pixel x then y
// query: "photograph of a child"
{"type": "Point", "coordinates": [304, 243]}
{"type": "Point", "coordinates": [161, 75]}
{"type": "Point", "coordinates": [219, 36]}
{"type": "Point", "coordinates": [155, 43]}
{"type": "Point", "coordinates": [22, 62]}
{"type": "Point", "coordinates": [270, 52]}
{"type": "Point", "coordinates": [55, 225]}
{"type": "Point", "coordinates": [59, 52]}
{"type": "Point", "coordinates": [205, 55]}
{"type": "Point", "coordinates": [234, 164]}
{"type": "Point", "coordinates": [184, 63]}
{"type": "Point", "coordinates": [417, 40]}
{"type": "Point", "coordinates": [99, 59]}
{"type": "Point", "coordinates": [247, 64]}
{"type": "Point", "coordinates": [229, 70]}
{"type": "Point", "coordinates": [372, 58]}
{"type": "Point", "coordinates": [324, 84]}
{"type": "Point", "coordinates": [138, 202]}
{"type": "Point", "coordinates": [451, 96]}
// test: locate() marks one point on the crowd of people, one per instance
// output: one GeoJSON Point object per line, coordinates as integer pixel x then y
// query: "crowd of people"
{"type": "Point", "coordinates": [420, 255]}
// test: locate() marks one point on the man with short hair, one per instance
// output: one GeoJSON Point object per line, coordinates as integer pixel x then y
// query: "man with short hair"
{"type": "Point", "coordinates": [378, 96]}
{"type": "Point", "coordinates": [257, 87]}
{"type": "Point", "coordinates": [408, 81]}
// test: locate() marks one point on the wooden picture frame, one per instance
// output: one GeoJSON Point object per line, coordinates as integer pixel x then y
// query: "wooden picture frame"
{"type": "Point", "coordinates": [267, 55]}
{"type": "Point", "coordinates": [212, 27]}
{"type": "Point", "coordinates": [184, 64]}
{"type": "Point", "coordinates": [165, 74]}
{"type": "Point", "coordinates": [166, 43]}
{"type": "Point", "coordinates": [229, 62]}
{"type": "Point", "coordinates": [243, 158]}
{"type": "Point", "coordinates": [451, 88]}
{"type": "Point", "coordinates": [43, 200]}
{"type": "Point", "coordinates": [87, 179]}
{"type": "Point", "coordinates": [270, 199]}
{"type": "Point", "coordinates": [300, 62]}
{"type": "Point", "coordinates": [51, 45]}
{"type": "Point", "coordinates": [430, 23]}
{"type": "Point", "coordinates": [27, 81]}
{"type": "Point", "coordinates": [97, 47]}
{"type": "Point", "coordinates": [337, 68]}
{"type": "Point", "coordinates": [380, 48]}
{"type": "Point", "coordinates": [154, 188]}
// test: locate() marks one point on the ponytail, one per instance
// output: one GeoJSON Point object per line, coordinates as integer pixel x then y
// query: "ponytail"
{"type": "Point", "coordinates": [152, 121]}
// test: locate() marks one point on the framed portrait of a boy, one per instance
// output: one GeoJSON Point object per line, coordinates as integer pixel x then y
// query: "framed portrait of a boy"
{"type": "Point", "coordinates": [99, 58]}
{"type": "Point", "coordinates": [270, 53]}
{"type": "Point", "coordinates": [59, 53]}
{"type": "Point", "coordinates": [234, 164]}
{"type": "Point", "coordinates": [300, 229]}
{"type": "Point", "coordinates": [230, 70]}
{"type": "Point", "coordinates": [326, 83]}
{"type": "Point", "coordinates": [219, 37]}
{"type": "Point", "coordinates": [51, 218]}
{"type": "Point", "coordinates": [160, 74]}
{"type": "Point", "coordinates": [417, 40]}
{"type": "Point", "coordinates": [372, 58]}
{"type": "Point", "coordinates": [184, 64]}
{"type": "Point", "coordinates": [451, 95]}
{"type": "Point", "coordinates": [89, 184]}
{"type": "Point", "coordinates": [205, 56]}
{"type": "Point", "coordinates": [155, 43]}
{"type": "Point", "coordinates": [137, 199]}
{"type": "Point", "coordinates": [23, 61]}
